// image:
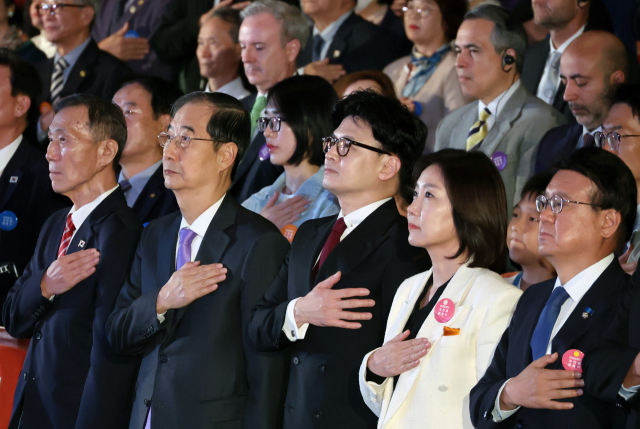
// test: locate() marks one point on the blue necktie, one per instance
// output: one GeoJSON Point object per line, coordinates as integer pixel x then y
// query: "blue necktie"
{"type": "Point", "coordinates": [548, 317]}
{"type": "Point", "coordinates": [318, 41]}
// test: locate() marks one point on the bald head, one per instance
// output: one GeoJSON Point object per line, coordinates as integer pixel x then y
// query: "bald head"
{"type": "Point", "coordinates": [590, 67]}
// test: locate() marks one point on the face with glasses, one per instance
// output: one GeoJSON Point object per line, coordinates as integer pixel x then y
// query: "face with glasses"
{"type": "Point", "coordinates": [423, 22]}
{"type": "Point", "coordinates": [281, 141]}
{"type": "Point", "coordinates": [68, 20]}
{"type": "Point", "coordinates": [621, 122]}
{"type": "Point", "coordinates": [354, 163]}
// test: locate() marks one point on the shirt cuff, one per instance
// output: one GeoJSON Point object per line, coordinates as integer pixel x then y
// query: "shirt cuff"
{"type": "Point", "coordinates": [301, 70]}
{"type": "Point", "coordinates": [497, 413]}
{"type": "Point", "coordinates": [628, 392]}
{"type": "Point", "coordinates": [290, 327]}
{"type": "Point", "coordinates": [161, 317]}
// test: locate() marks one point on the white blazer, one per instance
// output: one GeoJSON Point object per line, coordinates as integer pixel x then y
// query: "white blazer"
{"type": "Point", "coordinates": [435, 394]}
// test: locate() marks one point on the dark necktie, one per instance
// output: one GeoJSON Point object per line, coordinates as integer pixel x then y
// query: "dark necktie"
{"type": "Point", "coordinates": [588, 140]}
{"type": "Point", "coordinates": [333, 240]}
{"type": "Point", "coordinates": [318, 41]}
{"type": "Point", "coordinates": [542, 334]}
{"type": "Point", "coordinates": [125, 185]}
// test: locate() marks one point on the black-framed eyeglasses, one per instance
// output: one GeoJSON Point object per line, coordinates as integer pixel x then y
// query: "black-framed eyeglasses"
{"type": "Point", "coordinates": [556, 202]}
{"type": "Point", "coordinates": [182, 141]}
{"type": "Point", "coordinates": [343, 145]}
{"type": "Point", "coordinates": [274, 123]}
{"type": "Point", "coordinates": [612, 139]}
{"type": "Point", "coordinates": [420, 11]}
{"type": "Point", "coordinates": [44, 8]}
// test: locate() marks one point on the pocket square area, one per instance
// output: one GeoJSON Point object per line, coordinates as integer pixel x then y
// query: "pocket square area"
{"type": "Point", "coordinates": [448, 332]}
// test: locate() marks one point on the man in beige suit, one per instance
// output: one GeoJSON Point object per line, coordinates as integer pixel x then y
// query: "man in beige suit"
{"type": "Point", "coordinates": [506, 123]}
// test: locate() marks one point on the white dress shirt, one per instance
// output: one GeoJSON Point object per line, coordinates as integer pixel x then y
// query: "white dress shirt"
{"type": "Point", "coordinates": [498, 103]}
{"type": "Point", "coordinates": [547, 66]}
{"type": "Point", "coordinates": [352, 220]}
{"type": "Point", "coordinates": [235, 88]}
{"type": "Point", "coordinates": [577, 287]}
{"type": "Point", "coordinates": [78, 216]}
{"type": "Point", "coordinates": [7, 152]}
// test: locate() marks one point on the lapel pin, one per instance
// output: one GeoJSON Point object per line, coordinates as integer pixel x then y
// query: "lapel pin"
{"type": "Point", "coordinates": [140, 2]}
{"type": "Point", "coordinates": [587, 312]}
{"type": "Point", "coordinates": [13, 179]}
{"type": "Point", "coordinates": [336, 53]}
{"type": "Point", "coordinates": [82, 73]}
{"type": "Point", "coordinates": [81, 244]}
{"type": "Point", "coordinates": [152, 196]}
{"type": "Point", "coordinates": [132, 9]}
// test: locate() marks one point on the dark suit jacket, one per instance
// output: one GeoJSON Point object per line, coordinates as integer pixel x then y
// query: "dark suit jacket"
{"type": "Point", "coordinates": [253, 174]}
{"type": "Point", "coordinates": [71, 377]}
{"type": "Point", "coordinates": [558, 143]}
{"type": "Point", "coordinates": [606, 368]}
{"type": "Point", "coordinates": [96, 72]}
{"type": "Point", "coordinates": [155, 200]}
{"type": "Point", "coordinates": [513, 355]}
{"type": "Point", "coordinates": [358, 45]}
{"type": "Point", "coordinates": [25, 190]}
{"type": "Point", "coordinates": [199, 369]}
{"type": "Point", "coordinates": [323, 386]}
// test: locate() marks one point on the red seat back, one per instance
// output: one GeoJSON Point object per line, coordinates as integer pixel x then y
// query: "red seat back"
{"type": "Point", "coordinates": [11, 361]}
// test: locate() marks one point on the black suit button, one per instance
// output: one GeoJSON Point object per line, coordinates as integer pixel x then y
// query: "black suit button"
{"type": "Point", "coordinates": [322, 368]}
{"type": "Point", "coordinates": [147, 403]}
{"type": "Point", "coordinates": [38, 335]}
{"type": "Point", "coordinates": [163, 359]}
{"type": "Point", "coordinates": [520, 424]}
{"type": "Point", "coordinates": [296, 361]}
{"type": "Point", "coordinates": [318, 414]}
{"type": "Point", "coordinates": [275, 344]}
{"type": "Point", "coordinates": [24, 376]}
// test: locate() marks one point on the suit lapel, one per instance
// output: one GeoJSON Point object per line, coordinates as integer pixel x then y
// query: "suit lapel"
{"type": "Point", "coordinates": [558, 101]}
{"type": "Point", "coordinates": [311, 251]}
{"type": "Point", "coordinates": [340, 42]}
{"type": "Point", "coordinates": [509, 113]}
{"type": "Point", "coordinates": [80, 70]}
{"type": "Point", "coordinates": [526, 322]}
{"type": "Point", "coordinates": [151, 194]}
{"type": "Point", "coordinates": [167, 253]}
{"type": "Point", "coordinates": [13, 173]}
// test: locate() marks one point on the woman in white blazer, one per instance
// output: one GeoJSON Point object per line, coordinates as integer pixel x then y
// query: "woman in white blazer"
{"type": "Point", "coordinates": [445, 323]}
{"type": "Point", "coordinates": [426, 81]}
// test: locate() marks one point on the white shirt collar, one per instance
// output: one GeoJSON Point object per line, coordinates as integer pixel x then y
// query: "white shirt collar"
{"type": "Point", "coordinates": [585, 130]}
{"type": "Point", "coordinates": [582, 282]}
{"type": "Point", "coordinates": [80, 215]}
{"type": "Point", "coordinates": [330, 31]}
{"type": "Point", "coordinates": [201, 224]}
{"type": "Point", "coordinates": [567, 42]}
{"type": "Point", "coordinates": [353, 219]}
{"type": "Point", "coordinates": [7, 152]}
{"type": "Point", "coordinates": [498, 103]}
{"type": "Point", "coordinates": [233, 88]}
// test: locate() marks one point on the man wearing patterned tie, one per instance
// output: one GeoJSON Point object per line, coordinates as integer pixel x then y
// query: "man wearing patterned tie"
{"type": "Point", "coordinates": [71, 377]}
{"type": "Point", "coordinates": [196, 275]}
{"type": "Point", "coordinates": [586, 213]}
{"type": "Point", "coordinates": [330, 303]}
{"type": "Point", "coordinates": [506, 123]}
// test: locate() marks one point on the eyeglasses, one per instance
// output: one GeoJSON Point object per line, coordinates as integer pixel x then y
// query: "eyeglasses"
{"type": "Point", "coordinates": [273, 123]}
{"type": "Point", "coordinates": [344, 144]}
{"type": "Point", "coordinates": [612, 139]}
{"type": "Point", "coordinates": [43, 8]}
{"type": "Point", "coordinates": [182, 141]}
{"type": "Point", "coordinates": [411, 8]}
{"type": "Point", "coordinates": [556, 202]}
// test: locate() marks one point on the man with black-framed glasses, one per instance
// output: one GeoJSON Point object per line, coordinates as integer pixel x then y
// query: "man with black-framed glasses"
{"type": "Point", "coordinates": [329, 305]}
{"type": "Point", "coordinates": [535, 379]}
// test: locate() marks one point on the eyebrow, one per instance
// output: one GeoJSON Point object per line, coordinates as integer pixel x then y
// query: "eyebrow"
{"type": "Point", "coordinates": [428, 185]}
{"type": "Point", "coordinates": [574, 76]}
{"type": "Point", "coordinates": [186, 127]}
{"type": "Point", "coordinates": [467, 46]}
{"type": "Point", "coordinates": [130, 103]}
{"type": "Point", "coordinates": [612, 128]}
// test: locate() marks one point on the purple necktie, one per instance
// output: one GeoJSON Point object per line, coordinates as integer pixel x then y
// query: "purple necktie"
{"type": "Point", "coordinates": [588, 140]}
{"type": "Point", "coordinates": [184, 256]}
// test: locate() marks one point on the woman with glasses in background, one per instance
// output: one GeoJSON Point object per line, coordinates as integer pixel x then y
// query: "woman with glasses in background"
{"type": "Point", "coordinates": [298, 116]}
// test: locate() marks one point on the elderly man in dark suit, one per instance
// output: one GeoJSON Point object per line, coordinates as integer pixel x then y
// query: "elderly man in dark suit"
{"type": "Point", "coordinates": [26, 197]}
{"type": "Point", "coordinates": [71, 377]}
{"type": "Point", "coordinates": [185, 307]}
{"type": "Point", "coordinates": [534, 380]}
{"type": "Point", "coordinates": [146, 103]}
{"type": "Point", "coordinates": [353, 261]}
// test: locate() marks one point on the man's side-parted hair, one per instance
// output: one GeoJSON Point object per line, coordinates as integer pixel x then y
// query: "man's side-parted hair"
{"type": "Point", "coordinates": [397, 129]}
{"type": "Point", "coordinates": [163, 93]}
{"type": "Point", "coordinates": [478, 203]}
{"type": "Point", "coordinates": [615, 187]}
{"type": "Point", "coordinates": [294, 25]}
{"type": "Point", "coordinates": [536, 185]}
{"type": "Point", "coordinates": [24, 80]}
{"type": "Point", "coordinates": [106, 120]}
{"type": "Point", "coordinates": [229, 122]}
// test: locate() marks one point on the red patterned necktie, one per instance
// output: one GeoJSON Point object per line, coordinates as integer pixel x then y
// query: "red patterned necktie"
{"type": "Point", "coordinates": [66, 237]}
{"type": "Point", "coordinates": [332, 241]}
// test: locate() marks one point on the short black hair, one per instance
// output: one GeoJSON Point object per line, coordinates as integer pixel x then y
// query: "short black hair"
{"type": "Point", "coordinates": [230, 16]}
{"type": "Point", "coordinates": [397, 129]}
{"type": "Point", "coordinates": [163, 93]}
{"type": "Point", "coordinates": [615, 186]}
{"type": "Point", "coordinates": [629, 94]}
{"type": "Point", "coordinates": [106, 120]}
{"type": "Point", "coordinates": [536, 185]}
{"type": "Point", "coordinates": [229, 123]}
{"type": "Point", "coordinates": [24, 80]}
{"type": "Point", "coordinates": [305, 103]}
{"type": "Point", "coordinates": [478, 202]}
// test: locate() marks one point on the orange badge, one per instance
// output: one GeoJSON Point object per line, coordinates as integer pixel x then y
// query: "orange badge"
{"type": "Point", "coordinates": [45, 107]}
{"type": "Point", "coordinates": [289, 231]}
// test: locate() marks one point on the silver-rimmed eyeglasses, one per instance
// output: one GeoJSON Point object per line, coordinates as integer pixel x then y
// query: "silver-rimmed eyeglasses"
{"type": "Point", "coordinates": [556, 202]}
{"type": "Point", "coordinates": [44, 8]}
{"type": "Point", "coordinates": [343, 145]}
{"type": "Point", "coordinates": [182, 141]}
{"type": "Point", "coordinates": [410, 7]}
{"type": "Point", "coordinates": [612, 139]}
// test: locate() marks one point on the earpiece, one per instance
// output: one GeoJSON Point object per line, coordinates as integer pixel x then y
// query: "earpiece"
{"type": "Point", "coordinates": [507, 60]}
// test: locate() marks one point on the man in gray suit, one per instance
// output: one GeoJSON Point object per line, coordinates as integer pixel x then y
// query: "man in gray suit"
{"type": "Point", "coordinates": [506, 123]}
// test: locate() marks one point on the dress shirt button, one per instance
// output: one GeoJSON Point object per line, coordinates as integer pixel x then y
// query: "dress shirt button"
{"type": "Point", "coordinates": [318, 414]}
{"type": "Point", "coordinates": [38, 335]}
{"type": "Point", "coordinates": [275, 344]}
{"type": "Point", "coordinates": [293, 334]}
{"type": "Point", "coordinates": [296, 361]}
{"type": "Point", "coordinates": [25, 375]}
{"type": "Point", "coordinates": [443, 388]}
{"type": "Point", "coordinates": [163, 359]}
{"type": "Point", "coordinates": [322, 368]}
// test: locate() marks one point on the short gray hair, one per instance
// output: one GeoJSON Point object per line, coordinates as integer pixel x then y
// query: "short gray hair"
{"type": "Point", "coordinates": [508, 32]}
{"type": "Point", "coordinates": [93, 4]}
{"type": "Point", "coordinates": [292, 23]}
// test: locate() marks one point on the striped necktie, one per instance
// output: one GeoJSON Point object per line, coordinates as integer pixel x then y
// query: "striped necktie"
{"type": "Point", "coordinates": [479, 130]}
{"type": "Point", "coordinates": [57, 79]}
{"type": "Point", "coordinates": [66, 236]}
